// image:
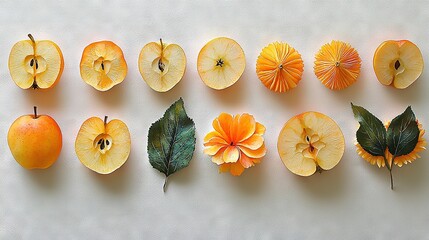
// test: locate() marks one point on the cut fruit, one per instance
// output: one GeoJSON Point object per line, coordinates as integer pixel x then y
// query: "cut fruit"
{"type": "Point", "coordinates": [35, 64]}
{"type": "Point", "coordinates": [221, 63]}
{"type": "Point", "coordinates": [337, 65]}
{"type": "Point", "coordinates": [162, 65]}
{"type": "Point", "coordinates": [310, 142]}
{"type": "Point", "coordinates": [103, 147]}
{"type": "Point", "coordinates": [279, 67]}
{"type": "Point", "coordinates": [398, 63]}
{"type": "Point", "coordinates": [103, 65]}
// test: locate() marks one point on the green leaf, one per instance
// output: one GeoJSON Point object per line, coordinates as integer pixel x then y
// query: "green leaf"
{"type": "Point", "coordinates": [371, 134]}
{"type": "Point", "coordinates": [403, 133]}
{"type": "Point", "coordinates": [171, 140]}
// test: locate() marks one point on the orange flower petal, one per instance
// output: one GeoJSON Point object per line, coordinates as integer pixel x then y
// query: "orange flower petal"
{"type": "Point", "coordinates": [211, 135]}
{"type": "Point", "coordinates": [258, 153]}
{"type": "Point", "coordinates": [212, 150]}
{"type": "Point", "coordinates": [260, 129]}
{"type": "Point", "coordinates": [253, 143]}
{"type": "Point", "coordinates": [222, 125]}
{"type": "Point", "coordinates": [245, 161]}
{"type": "Point", "coordinates": [243, 127]}
{"type": "Point", "coordinates": [218, 158]}
{"type": "Point", "coordinates": [231, 154]}
{"type": "Point", "coordinates": [216, 141]}
{"type": "Point", "coordinates": [236, 169]}
{"type": "Point", "coordinates": [224, 167]}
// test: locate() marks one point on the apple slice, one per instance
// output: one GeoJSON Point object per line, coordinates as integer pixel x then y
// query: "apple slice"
{"type": "Point", "coordinates": [162, 65]}
{"type": "Point", "coordinates": [221, 63]}
{"type": "Point", "coordinates": [398, 63]}
{"type": "Point", "coordinates": [103, 146]}
{"type": "Point", "coordinates": [103, 65]}
{"type": "Point", "coordinates": [35, 64]}
{"type": "Point", "coordinates": [310, 141]}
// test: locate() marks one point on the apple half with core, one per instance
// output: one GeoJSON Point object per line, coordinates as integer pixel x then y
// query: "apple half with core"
{"type": "Point", "coordinates": [35, 141]}
{"type": "Point", "coordinates": [162, 65]}
{"type": "Point", "coordinates": [221, 62]}
{"type": "Point", "coordinates": [103, 146]}
{"type": "Point", "coordinates": [103, 65]}
{"type": "Point", "coordinates": [398, 63]}
{"type": "Point", "coordinates": [35, 64]}
{"type": "Point", "coordinates": [310, 142]}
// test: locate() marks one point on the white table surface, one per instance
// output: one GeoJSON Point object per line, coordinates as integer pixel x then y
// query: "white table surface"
{"type": "Point", "coordinates": [352, 201]}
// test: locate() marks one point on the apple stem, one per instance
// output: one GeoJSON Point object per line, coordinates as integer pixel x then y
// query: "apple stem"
{"type": "Point", "coordinates": [161, 65]}
{"type": "Point", "coordinates": [105, 120]}
{"type": "Point", "coordinates": [31, 37]}
{"type": "Point", "coordinates": [35, 112]}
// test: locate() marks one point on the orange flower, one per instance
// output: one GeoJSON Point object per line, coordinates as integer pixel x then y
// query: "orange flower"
{"type": "Point", "coordinates": [399, 161]}
{"type": "Point", "coordinates": [337, 65]}
{"type": "Point", "coordinates": [236, 142]}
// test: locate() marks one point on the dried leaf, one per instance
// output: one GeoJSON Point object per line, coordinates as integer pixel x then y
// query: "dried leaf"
{"type": "Point", "coordinates": [171, 141]}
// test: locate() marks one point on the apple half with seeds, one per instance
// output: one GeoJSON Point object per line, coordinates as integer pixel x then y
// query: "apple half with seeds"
{"type": "Point", "coordinates": [398, 63]}
{"type": "Point", "coordinates": [162, 65]}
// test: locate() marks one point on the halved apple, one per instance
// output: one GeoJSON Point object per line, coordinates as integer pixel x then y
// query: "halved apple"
{"type": "Point", "coordinates": [103, 65]}
{"type": "Point", "coordinates": [103, 146]}
{"type": "Point", "coordinates": [35, 64]}
{"type": "Point", "coordinates": [162, 65]}
{"type": "Point", "coordinates": [398, 63]}
{"type": "Point", "coordinates": [221, 63]}
{"type": "Point", "coordinates": [310, 142]}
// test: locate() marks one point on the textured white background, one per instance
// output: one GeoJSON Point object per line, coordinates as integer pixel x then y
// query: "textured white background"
{"type": "Point", "coordinates": [352, 201]}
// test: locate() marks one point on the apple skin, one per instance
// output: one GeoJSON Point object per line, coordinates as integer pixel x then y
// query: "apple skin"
{"type": "Point", "coordinates": [35, 142]}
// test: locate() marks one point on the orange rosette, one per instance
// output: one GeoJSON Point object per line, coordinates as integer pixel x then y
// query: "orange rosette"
{"type": "Point", "coordinates": [279, 67]}
{"type": "Point", "coordinates": [337, 65]}
{"type": "Point", "coordinates": [236, 142]}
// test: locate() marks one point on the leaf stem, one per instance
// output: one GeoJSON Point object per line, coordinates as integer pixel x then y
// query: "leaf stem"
{"type": "Point", "coordinates": [164, 188]}
{"type": "Point", "coordinates": [386, 162]}
{"type": "Point", "coordinates": [389, 167]}
{"type": "Point", "coordinates": [391, 175]}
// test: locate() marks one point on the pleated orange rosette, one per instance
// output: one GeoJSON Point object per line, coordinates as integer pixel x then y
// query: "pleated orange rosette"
{"type": "Point", "coordinates": [236, 142]}
{"type": "Point", "coordinates": [279, 67]}
{"type": "Point", "coordinates": [337, 65]}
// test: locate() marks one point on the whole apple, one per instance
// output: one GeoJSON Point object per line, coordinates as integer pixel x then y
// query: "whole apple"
{"type": "Point", "coordinates": [35, 141]}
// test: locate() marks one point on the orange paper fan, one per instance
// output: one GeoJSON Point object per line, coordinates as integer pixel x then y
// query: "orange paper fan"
{"type": "Point", "coordinates": [279, 67]}
{"type": "Point", "coordinates": [337, 65]}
